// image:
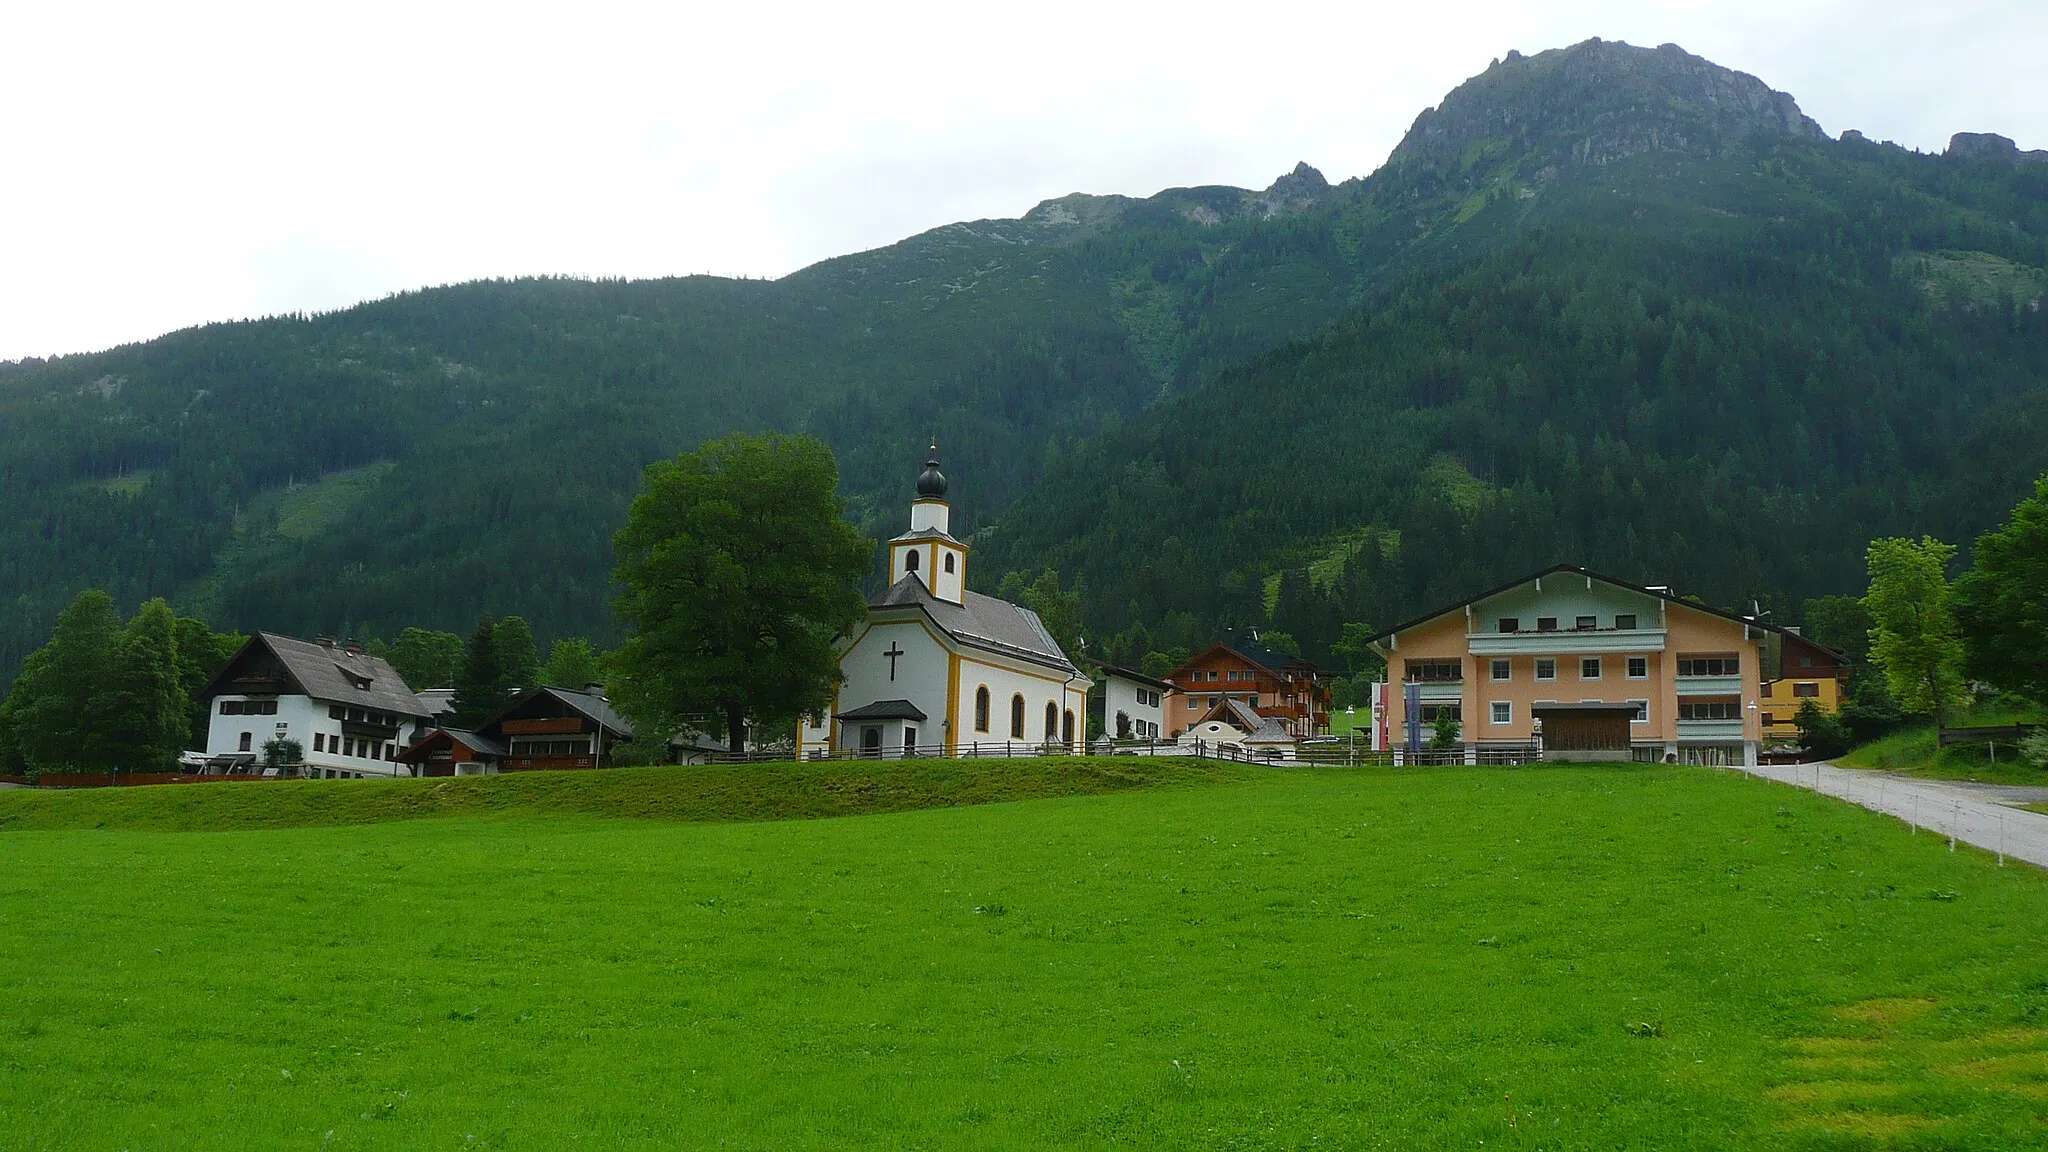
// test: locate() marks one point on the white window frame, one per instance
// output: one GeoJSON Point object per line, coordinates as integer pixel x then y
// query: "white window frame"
{"type": "Point", "coordinates": [1642, 715]}
{"type": "Point", "coordinates": [1500, 665]}
{"type": "Point", "coordinates": [1501, 712]}
{"type": "Point", "coordinates": [1629, 668]}
{"type": "Point", "coordinates": [1553, 668]}
{"type": "Point", "coordinates": [1599, 668]}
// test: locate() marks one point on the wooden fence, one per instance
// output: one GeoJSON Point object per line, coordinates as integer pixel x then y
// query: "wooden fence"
{"type": "Point", "coordinates": [1998, 734]}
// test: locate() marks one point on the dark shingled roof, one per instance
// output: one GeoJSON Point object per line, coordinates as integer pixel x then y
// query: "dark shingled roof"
{"type": "Point", "coordinates": [331, 673]}
{"type": "Point", "coordinates": [594, 707]}
{"type": "Point", "coordinates": [884, 710]}
{"type": "Point", "coordinates": [1123, 673]}
{"type": "Point", "coordinates": [474, 742]}
{"type": "Point", "coordinates": [482, 745]}
{"type": "Point", "coordinates": [983, 622]}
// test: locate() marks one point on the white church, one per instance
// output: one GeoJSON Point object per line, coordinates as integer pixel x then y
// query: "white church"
{"type": "Point", "coordinates": [937, 670]}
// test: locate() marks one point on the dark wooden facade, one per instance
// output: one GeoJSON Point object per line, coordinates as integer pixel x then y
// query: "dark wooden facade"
{"type": "Point", "coordinates": [552, 730]}
{"type": "Point", "coordinates": [1289, 690]}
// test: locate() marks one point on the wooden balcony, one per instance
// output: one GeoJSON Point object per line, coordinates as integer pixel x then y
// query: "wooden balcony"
{"type": "Point", "coordinates": [550, 763]}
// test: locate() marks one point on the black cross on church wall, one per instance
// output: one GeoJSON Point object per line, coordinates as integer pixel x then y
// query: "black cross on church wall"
{"type": "Point", "coordinates": [892, 654]}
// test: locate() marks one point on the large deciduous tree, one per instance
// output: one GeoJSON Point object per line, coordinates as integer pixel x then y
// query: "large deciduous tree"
{"type": "Point", "coordinates": [425, 658]}
{"type": "Point", "coordinates": [2001, 604]}
{"type": "Point", "coordinates": [739, 571]}
{"type": "Point", "coordinates": [1913, 633]}
{"type": "Point", "coordinates": [572, 663]}
{"type": "Point", "coordinates": [1059, 611]}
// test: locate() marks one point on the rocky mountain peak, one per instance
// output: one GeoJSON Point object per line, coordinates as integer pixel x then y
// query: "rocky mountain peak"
{"type": "Point", "coordinates": [1294, 191]}
{"type": "Point", "coordinates": [1597, 102]}
{"type": "Point", "coordinates": [1993, 147]}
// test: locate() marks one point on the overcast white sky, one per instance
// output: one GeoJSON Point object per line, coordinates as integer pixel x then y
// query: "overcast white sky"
{"type": "Point", "coordinates": [163, 165]}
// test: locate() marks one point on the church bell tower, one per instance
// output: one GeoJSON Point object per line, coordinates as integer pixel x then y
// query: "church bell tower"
{"type": "Point", "coordinates": [928, 551]}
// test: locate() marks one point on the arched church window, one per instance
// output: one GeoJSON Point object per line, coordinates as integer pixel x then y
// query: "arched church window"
{"type": "Point", "coordinates": [1017, 717]}
{"type": "Point", "coordinates": [981, 708]}
{"type": "Point", "coordinates": [910, 561]}
{"type": "Point", "coordinates": [949, 563]}
{"type": "Point", "coordinates": [1052, 720]}
{"type": "Point", "coordinates": [1067, 728]}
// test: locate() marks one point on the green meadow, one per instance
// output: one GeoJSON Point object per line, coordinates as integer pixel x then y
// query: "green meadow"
{"type": "Point", "coordinates": [1162, 955]}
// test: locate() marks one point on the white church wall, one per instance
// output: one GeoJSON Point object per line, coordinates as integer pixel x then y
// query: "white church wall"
{"type": "Point", "coordinates": [951, 586]}
{"type": "Point", "coordinates": [1005, 681]}
{"type": "Point", "coordinates": [921, 674]}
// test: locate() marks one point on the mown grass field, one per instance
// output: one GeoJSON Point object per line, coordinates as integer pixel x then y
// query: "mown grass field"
{"type": "Point", "coordinates": [1596, 958]}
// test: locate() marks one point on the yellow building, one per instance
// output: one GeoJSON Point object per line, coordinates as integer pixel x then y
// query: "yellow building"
{"type": "Point", "coordinates": [1807, 671]}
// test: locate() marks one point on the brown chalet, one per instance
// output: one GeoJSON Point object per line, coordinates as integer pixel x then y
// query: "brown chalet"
{"type": "Point", "coordinates": [546, 729]}
{"type": "Point", "coordinates": [1277, 686]}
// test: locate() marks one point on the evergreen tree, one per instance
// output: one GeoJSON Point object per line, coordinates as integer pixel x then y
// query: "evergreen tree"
{"type": "Point", "coordinates": [58, 705]}
{"type": "Point", "coordinates": [739, 571]}
{"type": "Point", "coordinates": [572, 663]}
{"type": "Point", "coordinates": [518, 655]}
{"type": "Point", "coordinates": [147, 713]}
{"type": "Point", "coordinates": [202, 653]}
{"type": "Point", "coordinates": [480, 686]}
{"type": "Point", "coordinates": [1841, 623]}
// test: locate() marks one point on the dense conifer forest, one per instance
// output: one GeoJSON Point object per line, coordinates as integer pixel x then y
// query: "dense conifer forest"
{"type": "Point", "coordinates": [1605, 304]}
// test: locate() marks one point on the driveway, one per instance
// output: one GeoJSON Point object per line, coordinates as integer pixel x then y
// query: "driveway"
{"type": "Point", "coordinates": [1979, 814]}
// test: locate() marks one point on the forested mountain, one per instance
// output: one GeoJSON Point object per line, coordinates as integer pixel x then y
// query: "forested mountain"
{"type": "Point", "coordinates": [1607, 304]}
{"type": "Point", "coordinates": [467, 451]}
{"type": "Point", "coordinates": [1664, 327]}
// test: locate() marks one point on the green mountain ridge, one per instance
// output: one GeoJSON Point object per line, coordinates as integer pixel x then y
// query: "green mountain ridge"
{"type": "Point", "coordinates": [1587, 272]}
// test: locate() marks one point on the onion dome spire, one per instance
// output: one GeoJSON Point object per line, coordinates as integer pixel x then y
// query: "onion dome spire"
{"type": "Point", "coordinates": [931, 483]}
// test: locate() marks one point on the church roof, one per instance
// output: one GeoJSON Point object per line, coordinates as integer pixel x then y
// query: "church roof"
{"type": "Point", "coordinates": [982, 622]}
{"type": "Point", "coordinates": [929, 534]}
{"type": "Point", "coordinates": [884, 710]}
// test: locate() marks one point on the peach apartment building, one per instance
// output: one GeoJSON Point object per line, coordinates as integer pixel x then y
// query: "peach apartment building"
{"type": "Point", "coordinates": [1579, 666]}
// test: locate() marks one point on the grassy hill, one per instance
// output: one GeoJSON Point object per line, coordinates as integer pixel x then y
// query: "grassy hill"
{"type": "Point", "coordinates": [1560, 958]}
{"type": "Point", "coordinates": [702, 793]}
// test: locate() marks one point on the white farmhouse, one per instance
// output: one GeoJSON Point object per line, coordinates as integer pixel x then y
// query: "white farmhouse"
{"type": "Point", "coordinates": [945, 670]}
{"type": "Point", "coordinates": [1133, 704]}
{"type": "Point", "coordinates": [348, 710]}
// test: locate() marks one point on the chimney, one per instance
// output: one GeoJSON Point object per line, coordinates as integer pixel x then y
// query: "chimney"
{"type": "Point", "coordinates": [596, 690]}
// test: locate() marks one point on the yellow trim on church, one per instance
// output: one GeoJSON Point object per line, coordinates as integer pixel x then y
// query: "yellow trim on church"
{"type": "Point", "coordinates": [952, 702]}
